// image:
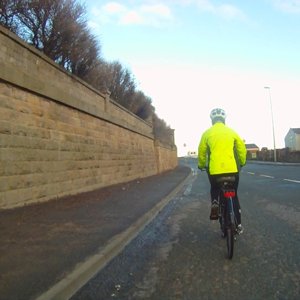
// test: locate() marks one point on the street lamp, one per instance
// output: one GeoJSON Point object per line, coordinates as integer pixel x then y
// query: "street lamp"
{"type": "Point", "coordinates": [269, 89]}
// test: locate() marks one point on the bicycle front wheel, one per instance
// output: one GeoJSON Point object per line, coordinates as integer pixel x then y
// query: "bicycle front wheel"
{"type": "Point", "coordinates": [230, 242]}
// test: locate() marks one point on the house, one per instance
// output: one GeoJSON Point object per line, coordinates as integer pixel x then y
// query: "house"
{"type": "Point", "coordinates": [292, 139]}
{"type": "Point", "coordinates": [252, 150]}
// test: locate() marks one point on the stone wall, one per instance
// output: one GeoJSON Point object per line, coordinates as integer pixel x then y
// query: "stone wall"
{"type": "Point", "coordinates": [166, 158]}
{"type": "Point", "coordinates": [59, 136]}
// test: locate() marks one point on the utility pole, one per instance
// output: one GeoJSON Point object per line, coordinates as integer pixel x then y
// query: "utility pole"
{"type": "Point", "coordinates": [269, 89]}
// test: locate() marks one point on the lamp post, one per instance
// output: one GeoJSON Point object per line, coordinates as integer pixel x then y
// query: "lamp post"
{"type": "Point", "coordinates": [269, 89]}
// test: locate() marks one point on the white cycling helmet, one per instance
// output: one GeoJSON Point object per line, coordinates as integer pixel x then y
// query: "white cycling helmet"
{"type": "Point", "coordinates": [218, 114]}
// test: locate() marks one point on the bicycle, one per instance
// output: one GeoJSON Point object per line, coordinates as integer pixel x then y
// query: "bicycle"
{"type": "Point", "coordinates": [227, 216]}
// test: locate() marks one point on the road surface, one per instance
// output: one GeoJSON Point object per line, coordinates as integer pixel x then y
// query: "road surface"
{"type": "Point", "coordinates": [181, 254]}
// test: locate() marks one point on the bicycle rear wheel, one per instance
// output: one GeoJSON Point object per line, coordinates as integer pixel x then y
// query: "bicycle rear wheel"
{"type": "Point", "coordinates": [230, 241]}
{"type": "Point", "coordinates": [222, 226]}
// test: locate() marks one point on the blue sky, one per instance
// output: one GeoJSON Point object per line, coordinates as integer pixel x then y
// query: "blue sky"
{"type": "Point", "coordinates": [190, 56]}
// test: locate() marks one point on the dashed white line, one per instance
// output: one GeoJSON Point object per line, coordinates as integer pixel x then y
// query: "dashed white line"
{"type": "Point", "coordinates": [291, 180]}
{"type": "Point", "coordinates": [268, 176]}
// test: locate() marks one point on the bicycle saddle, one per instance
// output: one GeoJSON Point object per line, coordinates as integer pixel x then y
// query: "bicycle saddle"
{"type": "Point", "coordinates": [225, 179]}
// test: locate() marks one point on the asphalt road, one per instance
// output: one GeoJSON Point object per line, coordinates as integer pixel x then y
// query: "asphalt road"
{"type": "Point", "coordinates": [181, 254]}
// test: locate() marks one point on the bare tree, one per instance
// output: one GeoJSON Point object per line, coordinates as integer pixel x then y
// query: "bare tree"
{"type": "Point", "coordinates": [100, 76]}
{"type": "Point", "coordinates": [123, 90]}
{"type": "Point", "coordinates": [56, 27]}
{"type": "Point", "coordinates": [119, 81]}
{"type": "Point", "coordinates": [141, 105]}
{"type": "Point", "coordinates": [85, 55]}
{"type": "Point", "coordinates": [8, 12]}
{"type": "Point", "coordinates": [162, 131]}
{"type": "Point", "coordinates": [122, 85]}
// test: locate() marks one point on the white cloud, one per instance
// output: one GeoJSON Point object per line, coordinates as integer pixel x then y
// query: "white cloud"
{"type": "Point", "coordinates": [225, 10]}
{"type": "Point", "coordinates": [150, 15]}
{"type": "Point", "coordinates": [289, 6]}
{"type": "Point", "coordinates": [114, 8]}
{"type": "Point", "coordinates": [158, 9]}
{"type": "Point", "coordinates": [132, 17]}
{"type": "Point", "coordinates": [158, 13]}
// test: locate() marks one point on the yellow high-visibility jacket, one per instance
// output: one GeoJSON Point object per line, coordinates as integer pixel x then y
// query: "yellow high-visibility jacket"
{"type": "Point", "coordinates": [221, 150]}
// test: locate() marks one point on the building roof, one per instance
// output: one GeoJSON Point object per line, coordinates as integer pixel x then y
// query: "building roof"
{"type": "Point", "coordinates": [296, 130]}
{"type": "Point", "coordinates": [251, 146]}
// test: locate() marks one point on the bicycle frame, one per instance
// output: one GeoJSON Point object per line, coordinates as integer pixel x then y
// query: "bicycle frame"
{"type": "Point", "coordinates": [228, 197]}
{"type": "Point", "coordinates": [226, 211]}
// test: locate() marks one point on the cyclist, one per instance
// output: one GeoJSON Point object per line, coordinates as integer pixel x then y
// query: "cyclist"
{"type": "Point", "coordinates": [221, 152]}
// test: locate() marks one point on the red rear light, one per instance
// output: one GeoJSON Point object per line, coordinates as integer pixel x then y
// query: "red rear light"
{"type": "Point", "coordinates": [229, 194]}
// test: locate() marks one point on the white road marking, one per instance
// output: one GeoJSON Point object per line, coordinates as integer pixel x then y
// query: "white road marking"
{"type": "Point", "coordinates": [297, 181]}
{"type": "Point", "coordinates": [268, 176]}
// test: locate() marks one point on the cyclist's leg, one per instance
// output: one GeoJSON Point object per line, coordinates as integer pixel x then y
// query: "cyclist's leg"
{"type": "Point", "coordinates": [236, 206]}
{"type": "Point", "coordinates": [214, 194]}
{"type": "Point", "coordinates": [237, 210]}
{"type": "Point", "coordinates": [214, 187]}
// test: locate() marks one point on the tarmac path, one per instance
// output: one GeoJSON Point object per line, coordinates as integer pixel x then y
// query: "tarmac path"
{"type": "Point", "coordinates": [49, 250]}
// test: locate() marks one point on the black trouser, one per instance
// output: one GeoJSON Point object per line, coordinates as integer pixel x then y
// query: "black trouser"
{"type": "Point", "coordinates": [215, 190]}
